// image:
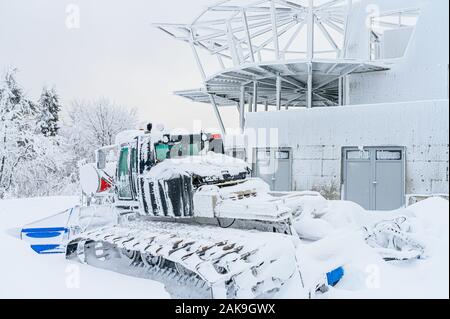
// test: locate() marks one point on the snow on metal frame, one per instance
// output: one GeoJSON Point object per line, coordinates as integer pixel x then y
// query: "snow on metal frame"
{"type": "Point", "coordinates": [271, 52]}
{"type": "Point", "coordinates": [245, 31]}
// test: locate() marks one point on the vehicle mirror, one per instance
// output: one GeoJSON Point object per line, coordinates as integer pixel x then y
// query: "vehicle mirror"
{"type": "Point", "coordinates": [101, 160]}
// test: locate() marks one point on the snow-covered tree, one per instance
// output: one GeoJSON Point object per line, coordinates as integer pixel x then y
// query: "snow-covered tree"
{"type": "Point", "coordinates": [96, 124]}
{"type": "Point", "coordinates": [49, 108]}
{"type": "Point", "coordinates": [31, 163]}
{"type": "Point", "coordinates": [17, 127]}
{"type": "Point", "coordinates": [38, 160]}
{"type": "Point", "coordinates": [49, 172]}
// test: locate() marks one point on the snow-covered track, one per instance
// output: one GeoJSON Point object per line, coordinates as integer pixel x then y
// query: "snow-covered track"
{"type": "Point", "coordinates": [230, 263]}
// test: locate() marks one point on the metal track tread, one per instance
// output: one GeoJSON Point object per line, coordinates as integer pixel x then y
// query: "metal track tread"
{"type": "Point", "coordinates": [230, 263]}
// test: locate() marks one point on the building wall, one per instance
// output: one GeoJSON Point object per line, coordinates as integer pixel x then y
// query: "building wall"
{"type": "Point", "coordinates": [405, 106]}
{"type": "Point", "coordinates": [421, 74]}
{"type": "Point", "coordinates": [318, 135]}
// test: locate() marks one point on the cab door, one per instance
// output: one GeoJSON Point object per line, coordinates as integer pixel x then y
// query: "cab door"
{"type": "Point", "coordinates": [124, 174]}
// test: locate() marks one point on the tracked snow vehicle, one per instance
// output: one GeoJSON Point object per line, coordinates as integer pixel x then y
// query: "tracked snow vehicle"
{"type": "Point", "coordinates": [186, 214]}
{"type": "Point", "coordinates": [178, 210]}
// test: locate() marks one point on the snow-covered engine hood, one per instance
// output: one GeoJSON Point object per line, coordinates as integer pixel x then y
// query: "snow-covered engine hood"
{"type": "Point", "coordinates": [211, 166]}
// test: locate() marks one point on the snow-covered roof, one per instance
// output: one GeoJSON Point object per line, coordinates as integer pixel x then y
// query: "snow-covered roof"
{"type": "Point", "coordinates": [226, 85]}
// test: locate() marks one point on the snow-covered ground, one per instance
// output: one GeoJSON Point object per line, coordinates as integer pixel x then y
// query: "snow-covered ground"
{"type": "Point", "coordinates": [368, 276]}
{"type": "Point", "coordinates": [24, 274]}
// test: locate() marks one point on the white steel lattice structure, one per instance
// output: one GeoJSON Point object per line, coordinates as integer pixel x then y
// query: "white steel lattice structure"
{"type": "Point", "coordinates": [272, 53]}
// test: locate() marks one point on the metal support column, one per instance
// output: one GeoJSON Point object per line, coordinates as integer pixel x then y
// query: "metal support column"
{"type": "Point", "coordinates": [309, 94]}
{"type": "Point", "coordinates": [242, 109]}
{"type": "Point", "coordinates": [346, 92]}
{"type": "Point", "coordinates": [255, 96]}
{"type": "Point", "coordinates": [278, 93]}
{"type": "Point", "coordinates": [218, 116]}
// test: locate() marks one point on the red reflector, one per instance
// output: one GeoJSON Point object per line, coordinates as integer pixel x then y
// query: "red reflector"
{"type": "Point", "coordinates": [216, 136]}
{"type": "Point", "coordinates": [104, 185]}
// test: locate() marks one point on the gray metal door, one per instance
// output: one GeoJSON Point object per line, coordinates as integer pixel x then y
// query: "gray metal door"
{"type": "Point", "coordinates": [358, 177]}
{"type": "Point", "coordinates": [237, 152]}
{"type": "Point", "coordinates": [274, 166]}
{"type": "Point", "coordinates": [375, 177]}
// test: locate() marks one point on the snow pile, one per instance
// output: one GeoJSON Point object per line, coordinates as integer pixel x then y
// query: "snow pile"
{"type": "Point", "coordinates": [308, 222]}
{"type": "Point", "coordinates": [432, 228]}
{"type": "Point", "coordinates": [318, 218]}
{"type": "Point", "coordinates": [367, 275]}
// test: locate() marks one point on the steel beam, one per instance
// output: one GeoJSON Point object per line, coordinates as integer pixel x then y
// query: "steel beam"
{"type": "Point", "coordinates": [327, 36]}
{"type": "Point", "coordinates": [310, 26]}
{"type": "Point", "coordinates": [232, 45]}
{"type": "Point", "coordinates": [198, 61]}
{"type": "Point", "coordinates": [249, 38]}
{"type": "Point", "coordinates": [343, 54]}
{"type": "Point", "coordinates": [295, 35]}
{"type": "Point", "coordinates": [275, 30]}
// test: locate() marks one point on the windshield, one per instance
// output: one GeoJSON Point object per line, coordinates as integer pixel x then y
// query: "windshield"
{"type": "Point", "coordinates": [177, 150]}
{"type": "Point", "coordinates": [189, 145]}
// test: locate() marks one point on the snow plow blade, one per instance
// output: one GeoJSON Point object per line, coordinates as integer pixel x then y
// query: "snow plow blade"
{"type": "Point", "coordinates": [49, 235]}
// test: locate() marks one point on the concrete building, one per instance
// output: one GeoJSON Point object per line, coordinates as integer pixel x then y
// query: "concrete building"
{"type": "Point", "coordinates": [359, 112]}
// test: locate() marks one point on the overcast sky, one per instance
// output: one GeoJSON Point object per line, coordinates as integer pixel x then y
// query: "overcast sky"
{"type": "Point", "coordinates": [115, 53]}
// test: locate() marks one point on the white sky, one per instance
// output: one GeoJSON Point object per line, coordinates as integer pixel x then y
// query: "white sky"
{"type": "Point", "coordinates": [115, 53]}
